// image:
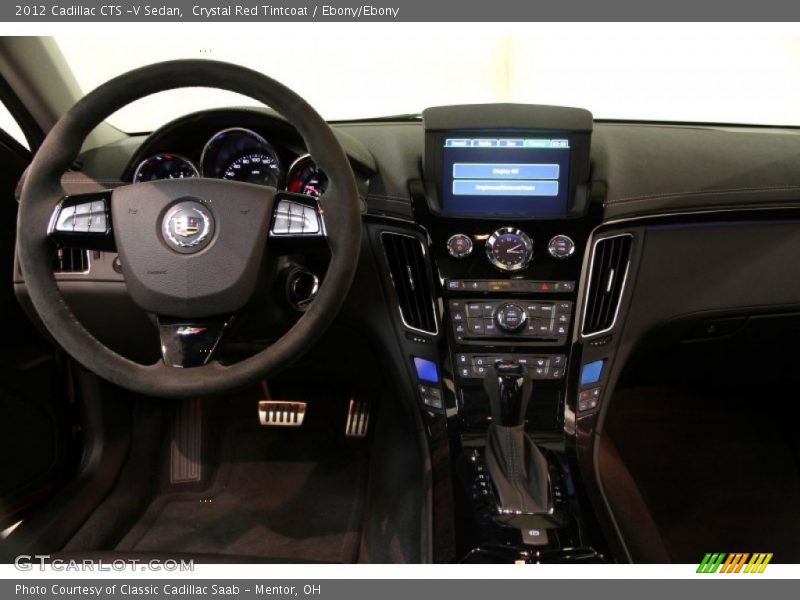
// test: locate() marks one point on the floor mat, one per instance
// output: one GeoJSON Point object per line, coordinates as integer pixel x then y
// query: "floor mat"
{"type": "Point", "coordinates": [274, 495]}
{"type": "Point", "coordinates": [718, 473]}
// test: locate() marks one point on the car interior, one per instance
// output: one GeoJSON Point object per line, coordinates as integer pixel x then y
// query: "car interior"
{"type": "Point", "coordinates": [485, 333]}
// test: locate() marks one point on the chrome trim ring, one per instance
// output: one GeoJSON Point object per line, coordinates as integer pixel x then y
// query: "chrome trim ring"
{"type": "Point", "coordinates": [454, 254]}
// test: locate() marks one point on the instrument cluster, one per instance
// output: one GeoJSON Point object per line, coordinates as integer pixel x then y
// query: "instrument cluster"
{"type": "Point", "coordinates": [237, 154]}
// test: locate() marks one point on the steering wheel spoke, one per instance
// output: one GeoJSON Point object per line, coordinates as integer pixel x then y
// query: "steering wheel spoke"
{"type": "Point", "coordinates": [189, 343]}
{"type": "Point", "coordinates": [83, 221]}
{"type": "Point", "coordinates": [297, 222]}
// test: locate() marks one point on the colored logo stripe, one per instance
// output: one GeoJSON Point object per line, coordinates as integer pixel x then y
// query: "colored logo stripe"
{"type": "Point", "coordinates": [758, 563]}
{"type": "Point", "coordinates": [711, 562]}
{"type": "Point", "coordinates": [734, 563]}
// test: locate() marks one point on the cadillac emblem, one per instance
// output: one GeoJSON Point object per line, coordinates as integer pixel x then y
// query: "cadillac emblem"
{"type": "Point", "coordinates": [188, 227]}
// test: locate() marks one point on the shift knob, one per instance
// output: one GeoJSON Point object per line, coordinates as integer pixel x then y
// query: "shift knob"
{"type": "Point", "coordinates": [508, 390]}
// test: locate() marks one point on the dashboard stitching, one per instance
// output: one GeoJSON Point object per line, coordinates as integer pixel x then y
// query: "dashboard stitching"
{"type": "Point", "coordinates": [632, 199]}
{"type": "Point", "coordinates": [382, 197]}
{"type": "Point", "coordinates": [89, 180]}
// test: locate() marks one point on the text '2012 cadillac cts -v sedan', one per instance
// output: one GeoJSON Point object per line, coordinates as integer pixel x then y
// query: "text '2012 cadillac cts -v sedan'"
{"type": "Point", "coordinates": [486, 333]}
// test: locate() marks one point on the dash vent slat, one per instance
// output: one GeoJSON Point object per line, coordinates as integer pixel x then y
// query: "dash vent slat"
{"type": "Point", "coordinates": [405, 256]}
{"type": "Point", "coordinates": [71, 260]}
{"type": "Point", "coordinates": [609, 268]}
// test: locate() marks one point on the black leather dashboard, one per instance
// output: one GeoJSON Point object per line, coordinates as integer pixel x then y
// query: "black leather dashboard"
{"type": "Point", "coordinates": [650, 169]}
{"type": "Point", "coordinates": [646, 169]}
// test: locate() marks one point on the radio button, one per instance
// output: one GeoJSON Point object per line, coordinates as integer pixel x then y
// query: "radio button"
{"type": "Point", "coordinates": [489, 326]}
{"type": "Point", "coordinates": [476, 326]}
{"type": "Point", "coordinates": [474, 286]}
{"type": "Point", "coordinates": [475, 310]}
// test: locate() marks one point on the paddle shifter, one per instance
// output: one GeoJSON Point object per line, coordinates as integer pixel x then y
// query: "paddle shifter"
{"type": "Point", "coordinates": [517, 467]}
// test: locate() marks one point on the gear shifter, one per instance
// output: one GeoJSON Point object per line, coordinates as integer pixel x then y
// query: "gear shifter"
{"type": "Point", "coordinates": [517, 467]}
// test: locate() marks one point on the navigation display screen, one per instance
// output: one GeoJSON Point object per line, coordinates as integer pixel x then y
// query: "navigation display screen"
{"type": "Point", "coordinates": [505, 176]}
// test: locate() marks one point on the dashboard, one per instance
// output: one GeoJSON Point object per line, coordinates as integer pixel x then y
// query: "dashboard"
{"type": "Point", "coordinates": [523, 233]}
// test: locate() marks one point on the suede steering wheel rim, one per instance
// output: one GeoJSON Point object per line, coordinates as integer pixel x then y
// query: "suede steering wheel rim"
{"type": "Point", "coordinates": [339, 211]}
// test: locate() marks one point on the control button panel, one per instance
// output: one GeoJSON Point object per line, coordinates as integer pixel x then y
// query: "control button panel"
{"type": "Point", "coordinates": [294, 218]}
{"type": "Point", "coordinates": [473, 366]}
{"type": "Point", "coordinates": [588, 399]}
{"type": "Point", "coordinates": [431, 395]}
{"type": "Point", "coordinates": [509, 285]}
{"type": "Point", "coordinates": [87, 217]}
{"type": "Point", "coordinates": [481, 319]}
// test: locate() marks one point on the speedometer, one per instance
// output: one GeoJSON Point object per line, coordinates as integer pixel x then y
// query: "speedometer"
{"type": "Point", "coordinates": [241, 154]}
{"type": "Point", "coordinates": [164, 166]}
{"type": "Point", "coordinates": [260, 168]}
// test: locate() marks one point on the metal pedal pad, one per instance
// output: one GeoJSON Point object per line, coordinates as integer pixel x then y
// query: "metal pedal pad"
{"type": "Point", "coordinates": [275, 413]}
{"type": "Point", "coordinates": [357, 418]}
{"type": "Point", "coordinates": [186, 461]}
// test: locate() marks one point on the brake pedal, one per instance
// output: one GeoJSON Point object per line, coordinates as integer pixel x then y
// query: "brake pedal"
{"type": "Point", "coordinates": [357, 418]}
{"type": "Point", "coordinates": [275, 413]}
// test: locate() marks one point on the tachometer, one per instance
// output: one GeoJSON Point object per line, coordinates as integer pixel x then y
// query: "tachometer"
{"type": "Point", "coordinates": [164, 166]}
{"type": "Point", "coordinates": [258, 168]}
{"type": "Point", "coordinates": [305, 178]}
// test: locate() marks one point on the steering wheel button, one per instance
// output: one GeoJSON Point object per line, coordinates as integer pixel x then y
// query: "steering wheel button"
{"type": "Point", "coordinates": [83, 209]}
{"type": "Point", "coordinates": [98, 223]}
{"type": "Point", "coordinates": [295, 217]}
{"type": "Point", "coordinates": [310, 220]}
{"type": "Point", "coordinates": [66, 219]}
{"type": "Point", "coordinates": [98, 206]}
{"type": "Point", "coordinates": [81, 223]}
{"type": "Point", "coordinates": [281, 224]}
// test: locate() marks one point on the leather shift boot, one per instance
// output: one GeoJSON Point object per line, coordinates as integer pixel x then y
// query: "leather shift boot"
{"type": "Point", "coordinates": [518, 470]}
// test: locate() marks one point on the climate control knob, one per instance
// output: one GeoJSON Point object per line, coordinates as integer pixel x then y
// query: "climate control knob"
{"type": "Point", "coordinates": [511, 317]}
{"type": "Point", "coordinates": [561, 247]}
{"type": "Point", "coordinates": [459, 246]}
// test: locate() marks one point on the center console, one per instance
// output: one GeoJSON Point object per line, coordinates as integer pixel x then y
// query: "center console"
{"type": "Point", "coordinates": [505, 200]}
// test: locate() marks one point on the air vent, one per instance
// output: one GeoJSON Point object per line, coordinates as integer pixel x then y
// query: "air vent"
{"type": "Point", "coordinates": [407, 267]}
{"type": "Point", "coordinates": [71, 260]}
{"type": "Point", "coordinates": [609, 269]}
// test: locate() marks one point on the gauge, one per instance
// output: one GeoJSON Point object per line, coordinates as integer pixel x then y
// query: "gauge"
{"type": "Point", "coordinates": [242, 155]}
{"type": "Point", "coordinates": [459, 246]}
{"type": "Point", "coordinates": [305, 178]}
{"type": "Point", "coordinates": [561, 247]}
{"type": "Point", "coordinates": [509, 249]}
{"type": "Point", "coordinates": [164, 166]}
{"type": "Point", "coordinates": [258, 168]}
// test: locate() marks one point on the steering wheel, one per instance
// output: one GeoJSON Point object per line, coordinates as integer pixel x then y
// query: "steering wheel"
{"type": "Point", "coordinates": [191, 249]}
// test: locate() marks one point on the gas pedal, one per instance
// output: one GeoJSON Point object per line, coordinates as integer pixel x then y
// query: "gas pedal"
{"type": "Point", "coordinates": [275, 413]}
{"type": "Point", "coordinates": [185, 453]}
{"type": "Point", "coordinates": [357, 418]}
